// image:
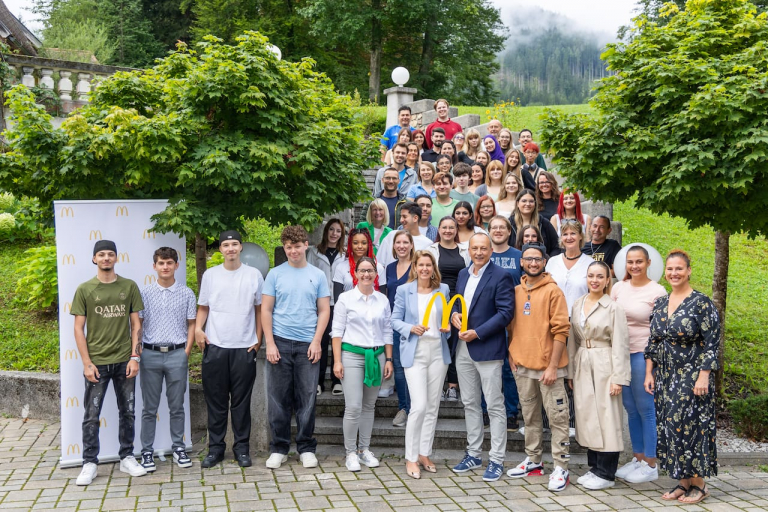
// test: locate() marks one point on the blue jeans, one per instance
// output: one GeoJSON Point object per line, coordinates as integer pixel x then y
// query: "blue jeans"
{"type": "Point", "coordinates": [292, 387]}
{"type": "Point", "coordinates": [401, 385]}
{"type": "Point", "coordinates": [93, 400]}
{"type": "Point", "coordinates": [641, 412]}
{"type": "Point", "coordinates": [511, 398]}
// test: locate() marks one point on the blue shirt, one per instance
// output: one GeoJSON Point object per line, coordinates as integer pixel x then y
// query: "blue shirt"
{"type": "Point", "coordinates": [509, 260]}
{"type": "Point", "coordinates": [393, 282]}
{"type": "Point", "coordinates": [417, 190]}
{"type": "Point", "coordinates": [296, 291]}
{"type": "Point", "coordinates": [389, 138]}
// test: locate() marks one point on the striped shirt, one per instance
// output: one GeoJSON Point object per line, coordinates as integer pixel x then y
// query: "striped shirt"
{"type": "Point", "coordinates": [165, 314]}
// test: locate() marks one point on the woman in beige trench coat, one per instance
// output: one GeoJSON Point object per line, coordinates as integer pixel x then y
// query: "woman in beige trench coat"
{"type": "Point", "coordinates": [598, 367]}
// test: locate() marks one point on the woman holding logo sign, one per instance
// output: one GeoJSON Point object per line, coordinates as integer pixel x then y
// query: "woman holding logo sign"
{"type": "Point", "coordinates": [418, 318]}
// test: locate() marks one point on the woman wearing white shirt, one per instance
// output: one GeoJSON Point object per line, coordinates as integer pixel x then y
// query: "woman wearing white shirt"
{"type": "Point", "coordinates": [362, 334]}
{"type": "Point", "coordinates": [424, 355]}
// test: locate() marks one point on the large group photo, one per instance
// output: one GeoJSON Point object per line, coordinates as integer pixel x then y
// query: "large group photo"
{"type": "Point", "coordinates": [231, 284]}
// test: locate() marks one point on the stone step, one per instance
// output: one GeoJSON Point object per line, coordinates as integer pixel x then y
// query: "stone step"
{"type": "Point", "coordinates": [450, 434]}
{"type": "Point", "coordinates": [330, 405]}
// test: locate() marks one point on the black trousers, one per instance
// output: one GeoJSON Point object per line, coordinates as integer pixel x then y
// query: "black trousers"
{"type": "Point", "coordinates": [325, 344]}
{"type": "Point", "coordinates": [228, 378]}
{"type": "Point", "coordinates": [603, 464]}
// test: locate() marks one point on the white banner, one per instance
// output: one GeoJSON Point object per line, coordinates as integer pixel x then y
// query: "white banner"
{"type": "Point", "coordinates": [79, 224]}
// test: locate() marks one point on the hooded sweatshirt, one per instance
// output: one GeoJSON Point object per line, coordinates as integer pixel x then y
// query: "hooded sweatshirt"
{"type": "Point", "coordinates": [537, 328]}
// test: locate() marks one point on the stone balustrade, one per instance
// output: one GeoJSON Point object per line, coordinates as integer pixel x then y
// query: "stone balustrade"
{"type": "Point", "coordinates": [71, 81]}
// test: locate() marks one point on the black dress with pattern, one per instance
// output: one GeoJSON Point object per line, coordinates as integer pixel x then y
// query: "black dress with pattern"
{"type": "Point", "coordinates": [680, 345]}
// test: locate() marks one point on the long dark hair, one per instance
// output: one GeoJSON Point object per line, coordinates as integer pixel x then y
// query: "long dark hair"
{"type": "Point", "coordinates": [351, 257]}
{"type": "Point", "coordinates": [467, 206]}
{"type": "Point", "coordinates": [323, 245]}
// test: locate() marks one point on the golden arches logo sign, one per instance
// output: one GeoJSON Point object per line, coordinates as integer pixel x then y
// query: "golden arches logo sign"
{"type": "Point", "coordinates": [123, 257]}
{"type": "Point", "coordinates": [72, 401]}
{"type": "Point", "coordinates": [95, 234]}
{"type": "Point", "coordinates": [74, 448]}
{"type": "Point", "coordinates": [67, 211]}
{"type": "Point", "coordinates": [447, 306]}
{"type": "Point", "coordinates": [121, 211]}
{"type": "Point", "coordinates": [148, 234]}
{"type": "Point", "coordinates": [70, 354]}
{"type": "Point", "coordinates": [68, 259]}
{"type": "Point", "coordinates": [149, 279]}
{"type": "Point", "coordinates": [67, 307]}
{"type": "Point", "coordinates": [103, 422]}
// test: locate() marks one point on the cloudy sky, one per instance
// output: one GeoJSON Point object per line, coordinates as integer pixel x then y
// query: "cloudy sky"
{"type": "Point", "coordinates": [596, 15]}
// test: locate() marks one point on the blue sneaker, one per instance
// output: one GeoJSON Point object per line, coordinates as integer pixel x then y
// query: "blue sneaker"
{"type": "Point", "coordinates": [493, 472]}
{"type": "Point", "coordinates": [468, 463]}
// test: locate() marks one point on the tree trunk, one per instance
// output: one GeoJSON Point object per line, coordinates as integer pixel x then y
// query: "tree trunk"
{"type": "Point", "coordinates": [201, 258]}
{"type": "Point", "coordinates": [425, 66]}
{"type": "Point", "coordinates": [374, 82]}
{"type": "Point", "coordinates": [720, 296]}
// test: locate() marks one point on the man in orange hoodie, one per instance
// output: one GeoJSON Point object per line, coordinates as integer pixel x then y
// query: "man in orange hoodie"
{"type": "Point", "coordinates": [539, 361]}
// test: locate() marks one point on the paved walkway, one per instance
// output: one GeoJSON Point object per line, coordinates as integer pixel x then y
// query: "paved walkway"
{"type": "Point", "coordinates": [31, 480]}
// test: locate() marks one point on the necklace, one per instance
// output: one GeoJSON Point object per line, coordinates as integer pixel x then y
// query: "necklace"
{"type": "Point", "coordinates": [594, 250]}
{"type": "Point", "coordinates": [571, 259]}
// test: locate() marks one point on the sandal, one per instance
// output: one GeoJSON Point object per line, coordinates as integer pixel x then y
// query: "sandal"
{"type": "Point", "coordinates": [672, 492]}
{"type": "Point", "coordinates": [703, 493]}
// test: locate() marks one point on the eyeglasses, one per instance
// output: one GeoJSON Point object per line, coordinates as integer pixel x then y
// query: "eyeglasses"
{"type": "Point", "coordinates": [487, 207]}
{"type": "Point", "coordinates": [532, 260]}
{"type": "Point", "coordinates": [366, 271]}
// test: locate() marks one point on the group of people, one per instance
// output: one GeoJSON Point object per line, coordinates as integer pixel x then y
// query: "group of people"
{"type": "Point", "coordinates": [513, 313]}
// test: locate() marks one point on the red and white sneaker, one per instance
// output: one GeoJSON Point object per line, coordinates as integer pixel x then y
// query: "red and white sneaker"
{"type": "Point", "coordinates": [526, 468]}
{"type": "Point", "coordinates": [559, 479]}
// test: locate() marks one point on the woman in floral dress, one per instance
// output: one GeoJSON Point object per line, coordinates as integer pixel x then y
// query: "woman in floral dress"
{"type": "Point", "coordinates": [685, 337]}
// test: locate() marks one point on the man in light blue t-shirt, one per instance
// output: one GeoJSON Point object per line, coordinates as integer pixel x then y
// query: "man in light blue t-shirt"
{"type": "Point", "coordinates": [295, 310]}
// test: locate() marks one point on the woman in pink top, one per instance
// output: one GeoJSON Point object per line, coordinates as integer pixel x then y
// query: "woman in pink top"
{"type": "Point", "coordinates": [636, 294]}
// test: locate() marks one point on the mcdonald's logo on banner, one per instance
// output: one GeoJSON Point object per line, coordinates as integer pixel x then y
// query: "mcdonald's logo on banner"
{"type": "Point", "coordinates": [67, 211]}
{"type": "Point", "coordinates": [68, 259]}
{"type": "Point", "coordinates": [95, 234]}
{"type": "Point", "coordinates": [70, 354]}
{"type": "Point", "coordinates": [67, 307]}
{"type": "Point", "coordinates": [148, 234]}
{"type": "Point", "coordinates": [121, 210]}
{"type": "Point", "coordinates": [72, 401]}
{"type": "Point", "coordinates": [123, 257]}
{"type": "Point", "coordinates": [158, 416]}
{"type": "Point", "coordinates": [149, 279]}
{"type": "Point", "coordinates": [103, 423]}
{"type": "Point", "coordinates": [447, 306]}
{"type": "Point", "coordinates": [73, 449]}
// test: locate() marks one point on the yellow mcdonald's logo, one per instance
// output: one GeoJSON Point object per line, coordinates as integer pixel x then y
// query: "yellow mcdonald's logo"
{"type": "Point", "coordinates": [121, 210]}
{"type": "Point", "coordinates": [73, 448]}
{"type": "Point", "coordinates": [149, 279]}
{"type": "Point", "coordinates": [447, 306]}
{"type": "Point", "coordinates": [123, 257]}
{"type": "Point", "coordinates": [68, 259]}
{"type": "Point", "coordinates": [67, 307]}
{"type": "Point", "coordinates": [70, 354]}
{"type": "Point", "coordinates": [158, 416]}
{"type": "Point", "coordinates": [72, 401]}
{"type": "Point", "coordinates": [148, 234]}
{"type": "Point", "coordinates": [95, 234]}
{"type": "Point", "coordinates": [103, 423]}
{"type": "Point", "coordinates": [67, 211]}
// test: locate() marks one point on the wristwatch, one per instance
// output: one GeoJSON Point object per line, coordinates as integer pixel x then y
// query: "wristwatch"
{"type": "Point", "coordinates": [136, 358]}
{"type": "Point", "coordinates": [388, 360]}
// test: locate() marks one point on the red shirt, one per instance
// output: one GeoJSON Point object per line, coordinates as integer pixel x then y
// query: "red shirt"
{"type": "Point", "coordinates": [451, 128]}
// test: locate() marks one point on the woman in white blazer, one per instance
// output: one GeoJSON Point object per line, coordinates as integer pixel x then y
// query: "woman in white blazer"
{"type": "Point", "coordinates": [424, 355]}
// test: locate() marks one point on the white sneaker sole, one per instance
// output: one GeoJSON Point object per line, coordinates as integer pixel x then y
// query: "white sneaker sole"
{"type": "Point", "coordinates": [272, 465]}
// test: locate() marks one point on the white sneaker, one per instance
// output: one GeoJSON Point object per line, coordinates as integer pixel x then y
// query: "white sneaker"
{"type": "Point", "coordinates": [276, 460]}
{"type": "Point", "coordinates": [308, 460]}
{"type": "Point", "coordinates": [644, 473]}
{"type": "Point", "coordinates": [522, 430]}
{"type": "Point", "coordinates": [353, 462]}
{"type": "Point", "coordinates": [558, 480]}
{"type": "Point", "coordinates": [583, 478]}
{"type": "Point", "coordinates": [319, 390]}
{"type": "Point", "coordinates": [386, 392]}
{"type": "Point", "coordinates": [337, 390]}
{"type": "Point", "coordinates": [526, 468]}
{"type": "Point", "coordinates": [401, 418]}
{"type": "Point", "coordinates": [131, 466]}
{"type": "Point", "coordinates": [596, 483]}
{"type": "Point", "coordinates": [367, 458]}
{"type": "Point", "coordinates": [627, 468]}
{"type": "Point", "coordinates": [88, 473]}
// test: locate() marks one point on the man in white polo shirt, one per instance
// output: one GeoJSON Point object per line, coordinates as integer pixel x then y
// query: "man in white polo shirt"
{"type": "Point", "coordinates": [230, 306]}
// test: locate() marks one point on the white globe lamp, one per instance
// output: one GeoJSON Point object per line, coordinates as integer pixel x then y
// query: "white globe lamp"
{"type": "Point", "coordinates": [400, 76]}
{"type": "Point", "coordinates": [274, 49]}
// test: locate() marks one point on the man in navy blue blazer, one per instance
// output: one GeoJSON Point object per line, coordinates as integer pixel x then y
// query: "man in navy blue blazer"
{"type": "Point", "coordinates": [488, 291]}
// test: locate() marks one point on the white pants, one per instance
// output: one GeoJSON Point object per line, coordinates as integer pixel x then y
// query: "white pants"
{"type": "Point", "coordinates": [425, 383]}
{"type": "Point", "coordinates": [478, 378]}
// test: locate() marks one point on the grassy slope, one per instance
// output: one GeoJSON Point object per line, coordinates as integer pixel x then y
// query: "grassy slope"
{"type": "Point", "coordinates": [746, 349]}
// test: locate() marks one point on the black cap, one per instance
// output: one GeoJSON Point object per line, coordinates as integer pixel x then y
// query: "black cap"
{"type": "Point", "coordinates": [104, 245]}
{"type": "Point", "coordinates": [230, 235]}
{"type": "Point", "coordinates": [538, 246]}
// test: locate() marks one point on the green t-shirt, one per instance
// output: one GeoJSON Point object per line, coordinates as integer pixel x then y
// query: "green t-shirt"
{"type": "Point", "coordinates": [468, 197]}
{"type": "Point", "coordinates": [107, 308]}
{"type": "Point", "coordinates": [439, 211]}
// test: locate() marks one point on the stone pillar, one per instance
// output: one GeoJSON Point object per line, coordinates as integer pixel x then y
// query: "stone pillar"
{"type": "Point", "coordinates": [83, 86]}
{"type": "Point", "coordinates": [46, 79]}
{"type": "Point", "coordinates": [65, 85]}
{"type": "Point", "coordinates": [27, 77]}
{"type": "Point", "coordinates": [397, 97]}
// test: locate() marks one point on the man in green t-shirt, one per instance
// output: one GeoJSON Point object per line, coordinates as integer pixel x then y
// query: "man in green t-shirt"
{"type": "Point", "coordinates": [443, 204]}
{"type": "Point", "coordinates": [108, 305]}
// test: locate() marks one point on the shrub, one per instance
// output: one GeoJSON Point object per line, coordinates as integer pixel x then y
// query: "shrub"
{"type": "Point", "coordinates": [38, 287]}
{"type": "Point", "coordinates": [7, 202]}
{"type": "Point", "coordinates": [750, 417]}
{"type": "Point", "coordinates": [7, 224]}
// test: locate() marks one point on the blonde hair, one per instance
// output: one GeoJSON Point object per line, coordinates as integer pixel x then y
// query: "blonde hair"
{"type": "Point", "coordinates": [377, 203]}
{"type": "Point", "coordinates": [493, 164]}
{"type": "Point", "coordinates": [466, 148]}
{"type": "Point", "coordinates": [516, 170]}
{"type": "Point", "coordinates": [503, 191]}
{"type": "Point", "coordinates": [572, 225]}
{"type": "Point", "coordinates": [435, 278]}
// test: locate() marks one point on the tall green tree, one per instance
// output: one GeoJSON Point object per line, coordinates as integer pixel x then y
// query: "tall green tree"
{"type": "Point", "coordinates": [681, 124]}
{"type": "Point", "coordinates": [225, 132]}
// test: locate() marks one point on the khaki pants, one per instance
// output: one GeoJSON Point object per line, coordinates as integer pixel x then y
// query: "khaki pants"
{"type": "Point", "coordinates": [532, 395]}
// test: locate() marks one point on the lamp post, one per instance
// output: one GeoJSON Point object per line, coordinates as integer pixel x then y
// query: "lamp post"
{"type": "Point", "coordinates": [399, 95]}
